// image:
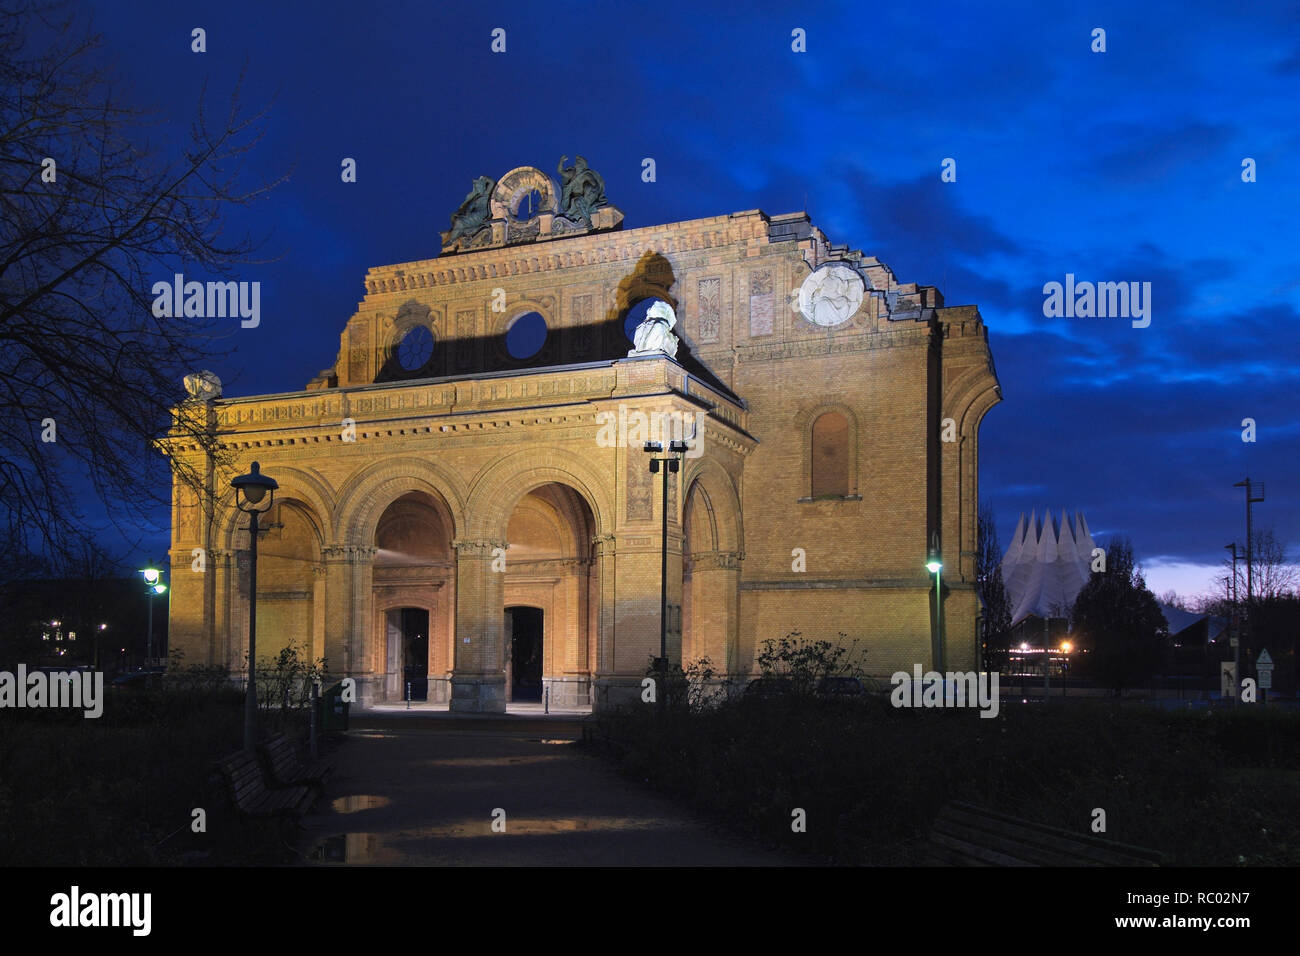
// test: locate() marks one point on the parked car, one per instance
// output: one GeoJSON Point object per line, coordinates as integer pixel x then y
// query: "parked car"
{"type": "Point", "coordinates": [769, 687]}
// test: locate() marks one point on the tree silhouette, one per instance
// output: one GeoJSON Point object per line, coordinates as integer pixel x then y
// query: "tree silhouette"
{"type": "Point", "coordinates": [91, 216]}
{"type": "Point", "coordinates": [992, 591]}
{"type": "Point", "coordinates": [1118, 622]}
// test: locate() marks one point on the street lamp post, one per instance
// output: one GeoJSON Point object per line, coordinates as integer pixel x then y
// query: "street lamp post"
{"type": "Point", "coordinates": [250, 491]}
{"type": "Point", "coordinates": [672, 462]}
{"type": "Point", "coordinates": [934, 564]}
{"type": "Point", "coordinates": [152, 586]}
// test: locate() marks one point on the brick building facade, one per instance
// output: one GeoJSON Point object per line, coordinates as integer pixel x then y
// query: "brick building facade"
{"type": "Point", "coordinates": [428, 497]}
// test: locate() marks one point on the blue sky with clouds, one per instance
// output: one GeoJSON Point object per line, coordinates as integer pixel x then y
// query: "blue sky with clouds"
{"type": "Point", "coordinates": [1115, 166]}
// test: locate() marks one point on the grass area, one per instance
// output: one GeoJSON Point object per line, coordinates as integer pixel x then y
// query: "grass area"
{"type": "Point", "coordinates": [120, 790]}
{"type": "Point", "coordinates": [1203, 787]}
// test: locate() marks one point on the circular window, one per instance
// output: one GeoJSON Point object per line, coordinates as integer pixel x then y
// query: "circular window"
{"type": "Point", "coordinates": [528, 206]}
{"type": "Point", "coordinates": [526, 335]}
{"type": "Point", "coordinates": [416, 349]}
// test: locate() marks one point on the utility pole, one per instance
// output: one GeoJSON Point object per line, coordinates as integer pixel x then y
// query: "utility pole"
{"type": "Point", "coordinates": [1250, 562]}
{"type": "Point", "coordinates": [1234, 636]}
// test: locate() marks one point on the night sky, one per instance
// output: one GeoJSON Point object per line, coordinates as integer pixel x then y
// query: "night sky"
{"type": "Point", "coordinates": [1116, 166]}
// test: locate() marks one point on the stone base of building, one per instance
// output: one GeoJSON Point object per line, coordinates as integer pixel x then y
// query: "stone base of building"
{"type": "Point", "coordinates": [567, 692]}
{"type": "Point", "coordinates": [616, 693]}
{"type": "Point", "coordinates": [478, 695]}
{"type": "Point", "coordinates": [439, 690]}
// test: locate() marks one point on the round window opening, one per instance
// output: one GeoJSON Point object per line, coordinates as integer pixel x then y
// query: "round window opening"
{"type": "Point", "coordinates": [416, 349]}
{"type": "Point", "coordinates": [526, 335]}
{"type": "Point", "coordinates": [529, 205]}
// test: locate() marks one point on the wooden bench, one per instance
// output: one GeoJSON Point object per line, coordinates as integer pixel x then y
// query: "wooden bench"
{"type": "Point", "coordinates": [966, 835]}
{"type": "Point", "coordinates": [250, 795]}
{"type": "Point", "coordinates": [286, 768]}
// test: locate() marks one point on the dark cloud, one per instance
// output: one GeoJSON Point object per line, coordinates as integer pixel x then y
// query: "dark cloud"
{"type": "Point", "coordinates": [1145, 153]}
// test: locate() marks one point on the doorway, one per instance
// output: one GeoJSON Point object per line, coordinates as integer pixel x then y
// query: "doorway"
{"type": "Point", "coordinates": [414, 628]}
{"type": "Point", "coordinates": [524, 629]}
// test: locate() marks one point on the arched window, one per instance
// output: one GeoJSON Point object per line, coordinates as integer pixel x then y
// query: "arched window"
{"type": "Point", "coordinates": [830, 455]}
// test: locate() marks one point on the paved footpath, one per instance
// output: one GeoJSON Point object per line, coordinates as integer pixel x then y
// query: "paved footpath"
{"type": "Point", "coordinates": [421, 790]}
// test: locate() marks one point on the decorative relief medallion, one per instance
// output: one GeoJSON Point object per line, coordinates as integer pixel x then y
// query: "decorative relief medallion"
{"type": "Point", "coordinates": [831, 295]}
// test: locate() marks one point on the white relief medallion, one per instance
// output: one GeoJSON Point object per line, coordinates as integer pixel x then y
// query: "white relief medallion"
{"type": "Point", "coordinates": [831, 295]}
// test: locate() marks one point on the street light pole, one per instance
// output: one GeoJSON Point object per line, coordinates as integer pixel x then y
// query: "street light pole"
{"type": "Point", "coordinates": [935, 566]}
{"type": "Point", "coordinates": [250, 491]}
{"type": "Point", "coordinates": [152, 586]}
{"type": "Point", "coordinates": [671, 462]}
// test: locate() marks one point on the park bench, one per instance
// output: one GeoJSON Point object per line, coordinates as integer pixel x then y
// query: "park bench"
{"type": "Point", "coordinates": [250, 795]}
{"type": "Point", "coordinates": [966, 835]}
{"type": "Point", "coordinates": [286, 767]}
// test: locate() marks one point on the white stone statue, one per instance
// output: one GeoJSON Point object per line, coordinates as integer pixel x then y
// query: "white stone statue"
{"type": "Point", "coordinates": [203, 386]}
{"type": "Point", "coordinates": [655, 333]}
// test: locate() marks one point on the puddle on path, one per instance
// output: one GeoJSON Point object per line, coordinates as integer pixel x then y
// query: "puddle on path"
{"type": "Point", "coordinates": [404, 846]}
{"type": "Point", "coordinates": [359, 801]}
{"type": "Point", "coordinates": [487, 761]}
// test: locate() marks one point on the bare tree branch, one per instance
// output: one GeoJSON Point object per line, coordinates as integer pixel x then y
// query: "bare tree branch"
{"type": "Point", "coordinates": [83, 359]}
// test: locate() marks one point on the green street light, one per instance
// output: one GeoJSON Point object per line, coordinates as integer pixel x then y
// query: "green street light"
{"type": "Point", "coordinates": [152, 586]}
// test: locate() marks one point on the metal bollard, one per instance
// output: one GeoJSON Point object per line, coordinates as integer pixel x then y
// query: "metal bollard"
{"type": "Point", "coordinates": [408, 695]}
{"type": "Point", "coordinates": [546, 701]}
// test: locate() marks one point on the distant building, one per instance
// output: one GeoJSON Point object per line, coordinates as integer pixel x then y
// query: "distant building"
{"type": "Point", "coordinates": [1044, 570]}
{"type": "Point", "coordinates": [1191, 627]}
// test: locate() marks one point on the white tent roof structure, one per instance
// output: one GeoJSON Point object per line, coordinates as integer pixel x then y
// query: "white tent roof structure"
{"type": "Point", "coordinates": [1046, 565]}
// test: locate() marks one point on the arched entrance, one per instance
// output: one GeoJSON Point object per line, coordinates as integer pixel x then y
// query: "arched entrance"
{"type": "Point", "coordinates": [290, 604]}
{"type": "Point", "coordinates": [549, 598]}
{"type": "Point", "coordinates": [711, 559]}
{"type": "Point", "coordinates": [412, 583]}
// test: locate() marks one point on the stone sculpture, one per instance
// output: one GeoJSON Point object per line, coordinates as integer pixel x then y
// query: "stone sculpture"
{"type": "Point", "coordinates": [203, 386]}
{"type": "Point", "coordinates": [582, 190]}
{"type": "Point", "coordinates": [472, 214]}
{"type": "Point", "coordinates": [655, 333]}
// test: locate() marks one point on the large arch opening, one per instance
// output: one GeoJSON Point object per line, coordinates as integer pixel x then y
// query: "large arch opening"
{"type": "Point", "coordinates": [549, 598]}
{"type": "Point", "coordinates": [413, 579]}
{"type": "Point", "coordinates": [290, 601]}
{"type": "Point", "coordinates": [710, 574]}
